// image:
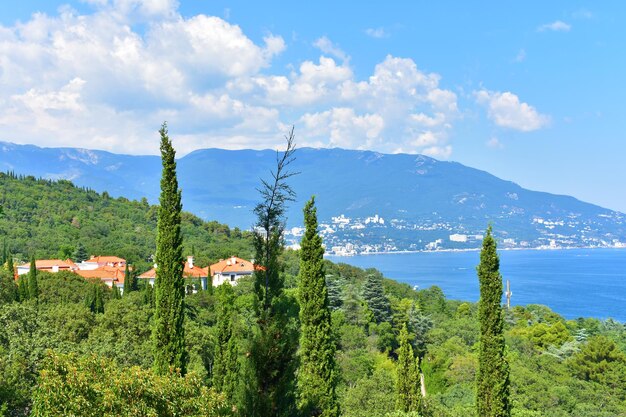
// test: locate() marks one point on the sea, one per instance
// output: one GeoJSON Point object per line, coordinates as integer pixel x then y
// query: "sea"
{"type": "Point", "coordinates": [572, 282]}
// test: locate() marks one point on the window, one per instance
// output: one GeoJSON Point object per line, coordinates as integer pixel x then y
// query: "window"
{"type": "Point", "coordinates": [232, 278]}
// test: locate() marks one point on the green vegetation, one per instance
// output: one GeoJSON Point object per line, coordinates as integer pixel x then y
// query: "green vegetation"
{"type": "Point", "coordinates": [317, 374]}
{"type": "Point", "coordinates": [302, 337]}
{"type": "Point", "coordinates": [169, 331]}
{"type": "Point", "coordinates": [492, 380]}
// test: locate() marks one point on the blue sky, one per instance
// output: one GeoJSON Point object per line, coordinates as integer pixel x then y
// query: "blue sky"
{"type": "Point", "coordinates": [529, 91]}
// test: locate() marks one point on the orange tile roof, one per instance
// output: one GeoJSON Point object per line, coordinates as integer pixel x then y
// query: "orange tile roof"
{"type": "Point", "coordinates": [104, 273]}
{"type": "Point", "coordinates": [227, 265]}
{"type": "Point", "coordinates": [195, 272]}
{"type": "Point", "coordinates": [48, 264]}
{"type": "Point", "coordinates": [106, 259]}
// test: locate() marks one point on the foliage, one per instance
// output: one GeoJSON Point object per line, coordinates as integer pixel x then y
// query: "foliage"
{"type": "Point", "coordinates": [317, 376]}
{"type": "Point", "coordinates": [374, 296]}
{"type": "Point", "coordinates": [92, 386]}
{"type": "Point", "coordinates": [273, 343]}
{"type": "Point", "coordinates": [408, 393]}
{"type": "Point", "coordinates": [169, 330]}
{"type": "Point", "coordinates": [225, 365]}
{"type": "Point", "coordinates": [492, 382]}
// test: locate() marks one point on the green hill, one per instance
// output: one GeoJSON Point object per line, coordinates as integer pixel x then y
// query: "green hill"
{"type": "Point", "coordinates": [50, 218]}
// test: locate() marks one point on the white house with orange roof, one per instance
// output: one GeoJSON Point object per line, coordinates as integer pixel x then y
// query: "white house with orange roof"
{"type": "Point", "coordinates": [189, 271]}
{"type": "Point", "coordinates": [109, 275]}
{"type": "Point", "coordinates": [96, 262]}
{"type": "Point", "coordinates": [48, 265]}
{"type": "Point", "coordinates": [230, 270]}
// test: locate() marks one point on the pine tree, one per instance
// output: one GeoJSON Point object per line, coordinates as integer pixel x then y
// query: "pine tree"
{"type": "Point", "coordinates": [377, 301]}
{"type": "Point", "coordinates": [225, 365]}
{"type": "Point", "coordinates": [80, 253]}
{"type": "Point", "coordinates": [492, 379]}
{"type": "Point", "coordinates": [334, 287]}
{"type": "Point", "coordinates": [33, 287]}
{"type": "Point", "coordinates": [130, 281]}
{"type": "Point", "coordinates": [169, 332]}
{"type": "Point", "coordinates": [275, 339]}
{"type": "Point", "coordinates": [408, 385]}
{"type": "Point", "coordinates": [317, 377]}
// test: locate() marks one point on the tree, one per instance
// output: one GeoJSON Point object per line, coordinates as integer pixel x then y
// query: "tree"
{"type": "Point", "coordinates": [492, 380]}
{"type": "Point", "coordinates": [377, 301]}
{"type": "Point", "coordinates": [408, 394]}
{"type": "Point", "coordinates": [8, 289]}
{"type": "Point", "coordinates": [317, 377]}
{"type": "Point", "coordinates": [334, 287]}
{"type": "Point", "coordinates": [80, 253]}
{"type": "Point", "coordinates": [130, 281]}
{"type": "Point", "coordinates": [115, 292]}
{"type": "Point", "coordinates": [169, 332]}
{"type": "Point", "coordinates": [94, 300]}
{"type": "Point", "coordinates": [225, 365]}
{"type": "Point", "coordinates": [22, 287]}
{"type": "Point", "coordinates": [92, 386]}
{"type": "Point", "coordinates": [33, 288]}
{"type": "Point", "coordinates": [274, 343]}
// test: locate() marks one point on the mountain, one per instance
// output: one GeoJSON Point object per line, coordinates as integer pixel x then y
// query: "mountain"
{"type": "Point", "coordinates": [367, 201]}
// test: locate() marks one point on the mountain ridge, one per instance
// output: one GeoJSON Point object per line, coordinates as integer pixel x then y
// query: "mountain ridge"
{"type": "Point", "coordinates": [390, 201]}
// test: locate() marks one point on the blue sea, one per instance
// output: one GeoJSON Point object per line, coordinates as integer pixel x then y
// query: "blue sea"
{"type": "Point", "coordinates": [573, 282]}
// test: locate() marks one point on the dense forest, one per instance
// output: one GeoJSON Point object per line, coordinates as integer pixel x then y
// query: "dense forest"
{"type": "Point", "coordinates": [60, 350]}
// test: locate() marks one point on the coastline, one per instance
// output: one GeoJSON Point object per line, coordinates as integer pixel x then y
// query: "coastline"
{"type": "Point", "coordinates": [399, 252]}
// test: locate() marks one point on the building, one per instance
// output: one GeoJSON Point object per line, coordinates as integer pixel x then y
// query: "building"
{"type": "Point", "coordinates": [189, 271]}
{"type": "Point", "coordinates": [109, 275]}
{"type": "Point", "coordinates": [99, 261]}
{"type": "Point", "coordinates": [48, 265]}
{"type": "Point", "coordinates": [230, 270]}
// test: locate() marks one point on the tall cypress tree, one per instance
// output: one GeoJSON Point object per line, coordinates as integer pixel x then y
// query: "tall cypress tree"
{"type": "Point", "coordinates": [317, 377]}
{"type": "Point", "coordinates": [80, 253]}
{"type": "Point", "coordinates": [225, 365]}
{"type": "Point", "coordinates": [33, 287]}
{"type": "Point", "coordinates": [408, 385]}
{"type": "Point", "coordinates": [275, 340]}
{"type": "Point", "coordinates": [168, 332]}
{"type": "Point", "coordinates": [492, 379]}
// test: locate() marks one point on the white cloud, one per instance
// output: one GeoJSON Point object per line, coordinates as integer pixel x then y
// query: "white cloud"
{"type": "Point", "coordinates": [328, 47]}
{"type": "Point", "coordinates": [495, 143]}
{"type": "Point", "coordinates": [556, 26]}
{"type": "Point", "coordinates": [377, 33]}
{"type": "Point", "coordinates": [109, 78]}
{"type": "Point", "coordinates": [521, 56]}
{"type": "Point", "coordinates": [506, 110]}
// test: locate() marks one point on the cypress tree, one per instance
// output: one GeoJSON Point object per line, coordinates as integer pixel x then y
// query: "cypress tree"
{"type": "Point", "coordinates": [169, 332]}
{"type": "Point", "coordinates": [22, 287]}
{"type": "Point", "coordinates": [492, 379]}
{"type": "Point", "coordinates": [115, 292]}
{"type": "Point", "coordinates": [33, 287]}
{"type": "Point", "coordinates": [9, 263]}
{"type": "Point", "coordinates": [98, 299]}
{"type": "Point", "coordinates": [130, 281]}
{"type": "Point", "coordinates": [408, 385]}
{"type": "Point", "coordinates": [377, 301]}
{"type": "Point", "coordinates": [225, 365]}
{"type": "Point", "coordinates": [274, 343]}
{"type": "Point", "coordinates": [317, 377]}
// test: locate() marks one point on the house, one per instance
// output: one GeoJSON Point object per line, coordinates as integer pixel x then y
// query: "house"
{"type": "Point", "coordinates": [48, 265]}
{"type": "Point", "coordinates": [96, 262]}
{"type": "Point", "coordinates": [230, 270]}
{"type": "Point", "coordinates": [189, 271]}
{"type": "Point", "coordinates": [109, 275]}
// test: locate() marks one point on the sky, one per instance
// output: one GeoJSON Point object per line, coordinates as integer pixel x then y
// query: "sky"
{"type": "Point", "coordinates": [531, 92]}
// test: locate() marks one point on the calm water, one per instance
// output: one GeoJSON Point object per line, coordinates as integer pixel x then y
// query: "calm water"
{"type": "Point", "coordinates": [574, 283]}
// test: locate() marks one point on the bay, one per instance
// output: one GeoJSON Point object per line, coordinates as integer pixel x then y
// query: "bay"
{"type": "Point", "coordinates": [573, 282]}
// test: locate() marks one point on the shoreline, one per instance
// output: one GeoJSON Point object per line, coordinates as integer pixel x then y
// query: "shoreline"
{"type": "Point", "coordinates": [399, 252]}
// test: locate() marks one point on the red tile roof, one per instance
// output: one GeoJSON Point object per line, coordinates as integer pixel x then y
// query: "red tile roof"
{"type": "Point", "coordinates": [49, 263]}
{"type": "Point", "coordinates": [195, 272]}
{"type": "Point", "coordinates": [104, 273]}
{"type": "Point", "coordinates": [106, 259]}
{"type": "Point", "coordinates": [232, 264]}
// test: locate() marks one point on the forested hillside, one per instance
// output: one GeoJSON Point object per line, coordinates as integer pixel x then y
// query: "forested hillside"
{"type": "Point", "coordinates": [49, 219]}
{"type": "Point", "coordinates": [74, 347]}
